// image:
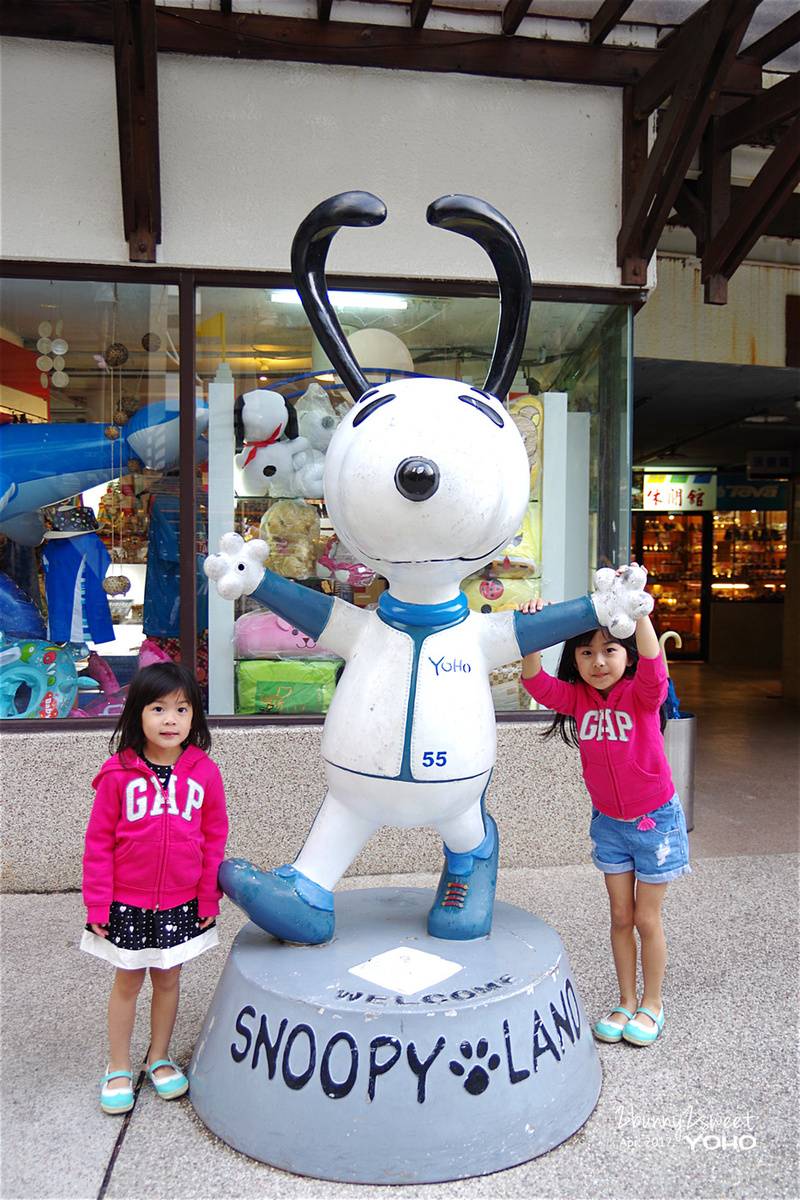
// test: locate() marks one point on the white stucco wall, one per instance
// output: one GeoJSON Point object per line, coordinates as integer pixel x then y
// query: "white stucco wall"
{"type": "Point", "coordinates": [248, 148]}
{"type": "Point", "coordinates": [750, 330]}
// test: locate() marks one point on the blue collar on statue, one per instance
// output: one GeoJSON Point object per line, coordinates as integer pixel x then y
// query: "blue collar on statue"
{"type": "Point", "coordinates": [431, 616]}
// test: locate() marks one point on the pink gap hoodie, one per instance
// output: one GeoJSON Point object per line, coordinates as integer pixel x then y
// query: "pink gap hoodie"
{"type": "Point", "coordinates": [151, 848]}
{"type": "Point", "coordinates": [622, 749]}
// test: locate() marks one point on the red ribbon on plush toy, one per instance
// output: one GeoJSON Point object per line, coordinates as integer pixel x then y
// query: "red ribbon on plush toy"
{"type": "Point", "coordinates": [256, 446]}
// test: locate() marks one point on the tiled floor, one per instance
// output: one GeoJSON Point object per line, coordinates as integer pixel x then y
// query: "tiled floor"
{"type": "Point", "coordinates": [747, 771]}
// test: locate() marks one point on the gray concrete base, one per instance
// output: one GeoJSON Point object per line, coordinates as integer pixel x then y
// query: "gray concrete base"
{"type": "Point", "coordinates": [391, 1057]}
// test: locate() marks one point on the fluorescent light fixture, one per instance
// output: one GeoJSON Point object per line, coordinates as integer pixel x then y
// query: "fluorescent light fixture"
{"type": "Point", "coordinates": [345, 299]}
{"type": "Point", "coordinates": [731, 587]}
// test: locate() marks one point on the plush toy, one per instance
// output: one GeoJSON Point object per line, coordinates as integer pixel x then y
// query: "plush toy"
{"type": "Point", "coordinates": [527, 412]}
{"type": "Point", "coordinates": [112, 701]}
{"type": "Point", "coordinates": [266, 635]}
{"type": "Point", "coordinates": [291, 529]}
{"type": "Point", "coordinates": [317, 419]}
{"type": "Point", "coordinates": [338, 563]}
{"type": "Point", "coordinates": [267, 466]}
{"type": "Point", "coordinates": [426, 479]}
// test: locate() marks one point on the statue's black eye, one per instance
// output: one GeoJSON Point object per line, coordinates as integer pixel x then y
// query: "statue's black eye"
{"type": "Point", "coordinates": [370, 407]}
{"type": "Point", "coordinates": [486, 409]}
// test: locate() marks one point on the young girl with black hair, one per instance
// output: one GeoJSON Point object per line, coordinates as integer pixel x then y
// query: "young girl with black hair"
{"type": "Point", "coordinates": [608, 697]}
{"type": "Point", "coordinates": [154, 844]}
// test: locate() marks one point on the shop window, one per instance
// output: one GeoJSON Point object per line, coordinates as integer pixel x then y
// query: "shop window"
{"type": "Point", "coordinates": [121, 464]}
{"type": "Point", "coordinates": [89, 527]}
{"type": "Point", "coordinates": [275, 402]}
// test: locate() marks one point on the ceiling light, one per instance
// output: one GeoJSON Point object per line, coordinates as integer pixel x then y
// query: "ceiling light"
{"type": "Point", "coordinates": [345, 299]}
{"type": "Point", "coordinates": [765, 419]}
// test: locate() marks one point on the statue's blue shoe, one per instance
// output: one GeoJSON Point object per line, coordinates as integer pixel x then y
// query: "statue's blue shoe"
{"type": "Point", "coordinates": [462, 909]}
{"type": "Point", "coordinates": [282, 902]}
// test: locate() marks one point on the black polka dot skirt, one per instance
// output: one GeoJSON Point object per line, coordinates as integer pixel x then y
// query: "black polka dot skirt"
{"type": "Point", "coordinates": [145, 937]}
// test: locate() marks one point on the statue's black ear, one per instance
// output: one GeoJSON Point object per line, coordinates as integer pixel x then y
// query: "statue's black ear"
{"type": "Point", "coordinates": [485, 225]}
{"type": "Point", "coordinates": [309, 252]}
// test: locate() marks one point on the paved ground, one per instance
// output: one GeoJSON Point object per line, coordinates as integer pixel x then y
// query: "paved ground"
{"type": "Point", "coordinates": [710, 1111]}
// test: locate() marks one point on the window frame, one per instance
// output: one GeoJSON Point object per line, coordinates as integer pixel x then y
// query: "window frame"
{"type": "Point", "coordinates": [188, 280]}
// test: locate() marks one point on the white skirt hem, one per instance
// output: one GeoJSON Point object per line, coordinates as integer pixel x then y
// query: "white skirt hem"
{"type": "Point", "coordinates": [152, 956]}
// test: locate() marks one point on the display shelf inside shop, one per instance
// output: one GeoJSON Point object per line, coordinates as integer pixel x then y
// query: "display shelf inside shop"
{"type": "Point", "coordinates": [749, 560]}
{"type": "Point", "coordinates": [672, 552]}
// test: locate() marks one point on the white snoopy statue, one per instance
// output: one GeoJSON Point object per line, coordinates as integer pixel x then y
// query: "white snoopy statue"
{"type": "Point", "coordinates": [426, 480]}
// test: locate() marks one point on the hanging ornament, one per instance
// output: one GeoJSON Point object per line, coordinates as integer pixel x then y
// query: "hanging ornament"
{"type": "Point", "coordinates": [151, 343]}
{"type": "Point", "coordinates": [51, 356]}
{"type": "Point", "coordinates": [116, 585]}
{"type": "Point", "coordinates": [116, 355]}
{"type": "Point", "coordinates": [133, 464]}
{"type": "Point", "coordinates": [119, 417]}
{"type": "Point", "coordinates": [129, 404]}
{"type": "Point", "coordinates": [111, 432]}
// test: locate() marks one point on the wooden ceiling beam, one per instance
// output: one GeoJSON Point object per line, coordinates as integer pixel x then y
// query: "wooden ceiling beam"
{"type": "Point", "coordinates": [715, 44]}
{"type": "Point", "coordinates": [781, 38]}
{"type": "Point", "coordinates": [137, 122]}
{"type": "Point", "coordinates": [770, 107]}
{"type": "Point", "coordinates": [609, 14]}
{"type": "Point", "coordinates": [292, 39]}
{"type": "Point", "coordinates": [766, 195]}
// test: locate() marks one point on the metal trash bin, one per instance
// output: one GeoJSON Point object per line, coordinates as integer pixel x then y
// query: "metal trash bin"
{"type": "Point", "coordinates": [680, 737]}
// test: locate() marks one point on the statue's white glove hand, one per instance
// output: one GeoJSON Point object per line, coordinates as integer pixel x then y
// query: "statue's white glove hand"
{"type": "Point", "coordinates": [239, 567]}
{"type": "Point", "coordinates": [619, 599]}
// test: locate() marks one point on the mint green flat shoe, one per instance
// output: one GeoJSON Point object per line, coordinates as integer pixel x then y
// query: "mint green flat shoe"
{"type": "Point", "coordinates": [116, 1100]}
{"type": "Point", "coordinates": [169, 1087]}
{"type": "Point", "coordinates": [608, 1031]}
{"type": "Point", "coordinates": [640, 1035]}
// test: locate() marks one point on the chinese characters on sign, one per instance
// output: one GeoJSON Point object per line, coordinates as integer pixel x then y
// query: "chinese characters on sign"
{"type": "Point", "coordinates": [694, 493]}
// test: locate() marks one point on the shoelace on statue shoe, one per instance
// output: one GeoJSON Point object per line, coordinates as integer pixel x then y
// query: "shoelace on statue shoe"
{"type": "Point", "coordinates": [455, 895]}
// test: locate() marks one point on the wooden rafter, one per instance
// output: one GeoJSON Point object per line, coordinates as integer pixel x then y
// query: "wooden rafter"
{"type": "Point", "coordinates": [609, 14]}
{"type": "Point", "coordinates": [770, 107]}
{"type": "Point", "coordinates": [137, 122]}
{"type": "Point", "coordinates": [768, 192]}
{"type": "Point", "coordinates": [419, 12]}
{"type": "Point", "coordinates": [514, 14]}
{"type": "Point", "coordinates": [715, 202]}
{"type": "Point", "coordinates": [716, 39]}
{"type": "Point", "coordinates": [781, 38]}
{"type": "Point", "coordinates": [662, 79]}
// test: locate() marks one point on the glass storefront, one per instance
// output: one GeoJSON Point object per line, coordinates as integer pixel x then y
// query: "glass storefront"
{"type": "Point", "coordinates": [121, 465]}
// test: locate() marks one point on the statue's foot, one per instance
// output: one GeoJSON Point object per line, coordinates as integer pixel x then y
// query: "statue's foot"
{"type": "Point", "coordinates": [464, 900]}
{"type": "Point", "coordinates": [283, 902]}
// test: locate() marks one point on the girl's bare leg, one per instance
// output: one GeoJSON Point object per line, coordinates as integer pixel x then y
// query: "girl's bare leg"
{"type": "Point", "coordinates": [121, 1016]}
{"type": "Point", "coordinates": [647, 918]}
{"type": "Point", "coordinates": [163, 1011]}
{"type": "Point", "coordinates": [621, 895]}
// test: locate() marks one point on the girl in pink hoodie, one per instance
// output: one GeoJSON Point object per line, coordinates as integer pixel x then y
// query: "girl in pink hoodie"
{"type": "Point", "coordinates": [154, 844]}
{"type": "Point", "coordinates": [608, 695]}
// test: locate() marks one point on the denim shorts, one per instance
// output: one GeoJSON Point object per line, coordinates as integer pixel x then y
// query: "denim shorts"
{"type": "Point", "coordinates": [657, 853]}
